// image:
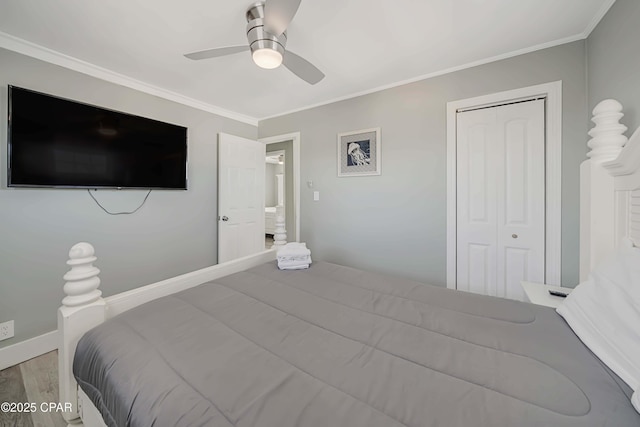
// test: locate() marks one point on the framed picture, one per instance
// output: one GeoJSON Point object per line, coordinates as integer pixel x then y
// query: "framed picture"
{"type": "Point", "coordinates": [359, 153]}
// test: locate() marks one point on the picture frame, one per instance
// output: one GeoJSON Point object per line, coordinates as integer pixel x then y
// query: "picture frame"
{"type": "Point", "coordinates": [358, 153]}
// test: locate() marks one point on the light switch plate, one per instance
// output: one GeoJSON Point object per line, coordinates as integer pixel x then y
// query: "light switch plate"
{"type": "Point", "coordinates": [316, 196]}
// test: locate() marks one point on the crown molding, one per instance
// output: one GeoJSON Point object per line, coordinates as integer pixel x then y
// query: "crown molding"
{"type": "Point", "coordinates": [598, 17]}
{"type": "Point", "coordinates": [580, 36]}
{"type": "Point", "coordinates": [484, 61]}
{"type": "Point", "coordinates": [42, 53]}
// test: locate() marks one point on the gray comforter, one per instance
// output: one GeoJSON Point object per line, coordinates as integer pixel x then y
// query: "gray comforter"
{"type": "Point", "coordinates": [338, 347]}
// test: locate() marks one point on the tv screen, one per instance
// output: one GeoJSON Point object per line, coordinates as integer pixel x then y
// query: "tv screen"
{"type": "Point", "coordinates": [55, 142]}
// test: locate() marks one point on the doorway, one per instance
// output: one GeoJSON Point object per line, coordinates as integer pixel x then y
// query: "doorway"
{"type": "Point", "coordinates": [503, 190]}
{"type": "Point", "coordinates": [289, 144]}
{"type": "Point", "coordinates": [274, 193]}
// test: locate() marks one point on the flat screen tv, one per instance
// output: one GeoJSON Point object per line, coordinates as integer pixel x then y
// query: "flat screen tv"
{"type": "Point", "coordinates": [55, 142]}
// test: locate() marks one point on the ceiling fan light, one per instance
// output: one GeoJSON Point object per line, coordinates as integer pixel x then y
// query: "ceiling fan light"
{"type": "Point", "coordinates": [267, 58]}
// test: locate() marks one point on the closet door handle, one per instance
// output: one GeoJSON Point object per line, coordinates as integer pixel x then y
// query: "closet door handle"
{"type": "Point", "coordinates": [515, 236]}
{"type": "Point", "coordinates": [225, 218]}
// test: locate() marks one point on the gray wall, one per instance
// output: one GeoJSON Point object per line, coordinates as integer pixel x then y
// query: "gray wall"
{"type": "Point", "coordinates": [613, 63]}
{"type": "Point", "coordinates": [175, 232]}
{"type": "Point", "coordinates": [396, 222]}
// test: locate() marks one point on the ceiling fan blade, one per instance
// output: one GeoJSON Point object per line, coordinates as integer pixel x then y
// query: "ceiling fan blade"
{"type": "Point", "coordinates": [213, 53]}
{"type": "Point", "coordinates": [278, 14]}
{"type": "Point", "coordinates": [302, 68]}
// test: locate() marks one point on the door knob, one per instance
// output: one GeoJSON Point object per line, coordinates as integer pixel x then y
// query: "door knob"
{"type": "Point", "coordinates": [225, 218]}
{"type": "Point", "coordinates": [515, 236]}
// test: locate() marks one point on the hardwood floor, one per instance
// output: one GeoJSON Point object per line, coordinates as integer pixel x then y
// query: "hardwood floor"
{"type": "Point", "coordinates": [34, 381]}
{"type": "Point", "coordinates": [12, 390]}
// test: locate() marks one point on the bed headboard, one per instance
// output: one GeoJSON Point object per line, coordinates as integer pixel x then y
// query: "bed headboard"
{"type": "Point", "coordinates": [609, 187]}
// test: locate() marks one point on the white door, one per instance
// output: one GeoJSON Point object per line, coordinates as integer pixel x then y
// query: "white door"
{"type": "Point", "coordinates": [501, 198]}
{"type": "Point", "coordinates": [241, 171]}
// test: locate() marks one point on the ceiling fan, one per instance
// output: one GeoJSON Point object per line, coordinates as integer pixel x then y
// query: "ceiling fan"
{"type": "Point", "coordinates": [267, 22]}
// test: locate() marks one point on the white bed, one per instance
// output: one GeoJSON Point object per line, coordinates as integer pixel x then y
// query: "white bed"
{"type": "Point", "coordinates": [610, 195]}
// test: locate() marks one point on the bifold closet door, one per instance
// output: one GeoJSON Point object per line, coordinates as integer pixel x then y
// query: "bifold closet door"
{"type": "Point", "coordinates": [501, 198]}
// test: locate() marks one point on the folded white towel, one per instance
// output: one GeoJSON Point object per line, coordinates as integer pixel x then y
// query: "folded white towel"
{"type": "Point", "coordinates": [293, 249]}
{"type": "Point", "coordinates": [296, 267]}
{"type": "Point", "coordinates": [294, 256]}
{"type": "Point", "coordinates": [295, 245]}
{"type": "Point", "coordinates": [293, 263]}
{"type": "Point", "coordinates": [305, 258]}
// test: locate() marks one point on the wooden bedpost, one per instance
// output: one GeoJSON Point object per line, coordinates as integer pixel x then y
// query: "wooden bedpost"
{"type": "Point", "coordinates": [598, 202]}
{"type": "Point", "coordinates": [82, 309]}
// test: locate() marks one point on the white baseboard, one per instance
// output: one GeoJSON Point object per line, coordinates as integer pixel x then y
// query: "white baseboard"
{"type": "Point", "coordinates": [28, 349]}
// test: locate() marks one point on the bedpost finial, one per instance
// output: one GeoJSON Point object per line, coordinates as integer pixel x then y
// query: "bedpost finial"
{"type": "Point", "coordinates": [82, 280]}
{"type": "Point", "coordinates": [81, 250]}
{"type": "Point", "coordinates": [607, 136]}
{"type": "Point", "coordinates": [607, 106]}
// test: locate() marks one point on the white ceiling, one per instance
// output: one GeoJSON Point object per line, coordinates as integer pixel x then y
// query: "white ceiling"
{"type": "Point", "coordinates": [361, 45]}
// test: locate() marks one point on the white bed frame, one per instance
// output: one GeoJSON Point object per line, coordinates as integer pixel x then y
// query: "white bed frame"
{"type": "Point", "coordinates": [609, 187]}
{"type": "Point", "coordinates": [609, 210]}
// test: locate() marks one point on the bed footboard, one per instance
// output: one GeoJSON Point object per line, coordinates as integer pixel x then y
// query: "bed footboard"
{"type": "Point", "coordinates": [83, 307]}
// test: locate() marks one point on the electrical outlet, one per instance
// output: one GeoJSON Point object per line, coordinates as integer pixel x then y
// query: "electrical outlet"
{"type": "Point", "coordinates": [6, 330]}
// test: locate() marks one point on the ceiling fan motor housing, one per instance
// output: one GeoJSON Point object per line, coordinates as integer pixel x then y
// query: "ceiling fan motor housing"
{"type": "Point", "coordinates": [257, 34]}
